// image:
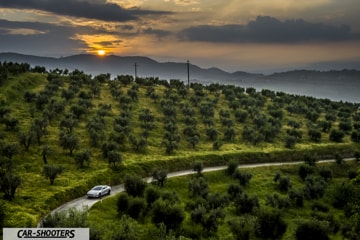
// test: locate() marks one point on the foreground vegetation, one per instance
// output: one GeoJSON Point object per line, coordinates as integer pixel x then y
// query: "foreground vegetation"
{"type": "Point", "coordinates": [258, 203]}
{"type": "Point", "coordinates": [62, 132]}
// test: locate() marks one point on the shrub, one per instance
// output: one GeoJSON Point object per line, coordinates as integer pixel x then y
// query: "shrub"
{"type": "Point", "coordinates": [336, 135]}
{"type": "Point", "coordinates": [284, 184]}
{"type": "Point", "coordinates": [297, 197]}
{"type": "Point", "coordinates": [123, 202]}
{"type": "Point", "coordinates": [136, 207]}
{"type": "Point", "coordinates": [314, 187]}
{"type": "Point", "coordinates": [198, 167]}
{"type": "Point", "coordinates": [151, 195]}
{"type": "Point", "coordinates": [245, 204]}
{"type": "Point", "coordinates": [326, 173]}
{"type": "Point", "coordinates": [241, 228]}
{"type": "Point", "coordinates": [270, 225]}
{"type": "Point", "coordinates": [242, 176]}
{"type": "Point", "coordinates": [352, 174]}
{"type": "Point", "coordinates": [198, 187]}
{"type": "Point", "coordinates": [171, 215]}
{"type": "Point", "coordinates": [311, 231]}
{"type": "Point", "coordinates": [342, 195]}
{"type": "Point", "coordinates": [319, 206]}
{"type": "Point", "coordinates": [231, 167]}
{"type": "Point", "coordinates": [134, 186]}
{"type": "Point", "coordinates": [305, 170]}
{"type": "Point", "coordinates": [233, 190]}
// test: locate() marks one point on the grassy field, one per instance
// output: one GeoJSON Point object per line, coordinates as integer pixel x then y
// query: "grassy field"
{"type": "Point", "coordinates": [35, 197]}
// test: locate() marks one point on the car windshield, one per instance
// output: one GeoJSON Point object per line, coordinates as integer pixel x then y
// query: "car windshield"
{"type": "Point", "coordinates": [96, 188]}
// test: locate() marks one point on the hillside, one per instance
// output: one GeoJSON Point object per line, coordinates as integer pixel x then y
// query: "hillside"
{"type": "Point", "coordinates": [97, 130]}
{"type": "Point", "coordinates": [335, 85]}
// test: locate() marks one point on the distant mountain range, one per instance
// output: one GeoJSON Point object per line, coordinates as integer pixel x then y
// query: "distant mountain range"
{"type": "Point", "coordinates": [336, 85]}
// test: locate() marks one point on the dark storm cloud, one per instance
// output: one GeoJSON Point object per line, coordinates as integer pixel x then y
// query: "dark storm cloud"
{"type": "Point", "coordinates": [268, 30]}
{"type": "Point", "coordinates": [99, 10]}
{"type": "Point", "coordinates": [48, 39]}
{"type": "Point", "coordinates": [156, 32]}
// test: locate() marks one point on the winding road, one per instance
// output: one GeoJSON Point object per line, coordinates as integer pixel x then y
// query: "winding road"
{"type": "Point", "coordinates": [82, 202]}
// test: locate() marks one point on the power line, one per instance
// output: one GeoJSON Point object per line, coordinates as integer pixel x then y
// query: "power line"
{"type": "Point", "coordinates": [135, 65]}
{"type": "Point", "coordinates": [188, 72]}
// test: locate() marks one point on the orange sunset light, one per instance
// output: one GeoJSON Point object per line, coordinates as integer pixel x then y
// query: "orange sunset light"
{"type": "Point", "coordinates": [101, 52]}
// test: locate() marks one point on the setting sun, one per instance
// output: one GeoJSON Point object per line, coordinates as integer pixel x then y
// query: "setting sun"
{"type": "Point", "coordinates": [101, 52]}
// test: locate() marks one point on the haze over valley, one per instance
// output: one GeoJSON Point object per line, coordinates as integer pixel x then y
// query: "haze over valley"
{"type": "Point", "coordinates": [338, 85]}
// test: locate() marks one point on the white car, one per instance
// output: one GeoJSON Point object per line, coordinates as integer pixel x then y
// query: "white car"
{"type": "Point", "coordinates": [99, 191]}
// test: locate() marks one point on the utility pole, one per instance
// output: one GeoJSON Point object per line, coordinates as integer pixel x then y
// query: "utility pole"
{"type": "Point", "coordinates": [188, 72]}
{"type": "Point", "coordinates": [135, 65]}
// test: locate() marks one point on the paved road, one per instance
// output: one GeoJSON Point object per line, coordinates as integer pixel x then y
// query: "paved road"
{"type": "Point", "coordinates": [82, 202]}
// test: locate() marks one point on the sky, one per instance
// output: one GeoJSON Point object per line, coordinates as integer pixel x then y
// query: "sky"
{"type": "Point", "coordinates": [244, 35]}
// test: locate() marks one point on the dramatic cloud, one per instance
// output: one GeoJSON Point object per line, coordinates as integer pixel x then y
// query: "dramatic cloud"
{"type": "Point", "coordinates": [156, 32]}
{"type": "Point", "coordinates": [99, 9]}
{"type": "Point", "coordinates": [268, 30]}
{"type": "Point", "coordinates": [42, 38]}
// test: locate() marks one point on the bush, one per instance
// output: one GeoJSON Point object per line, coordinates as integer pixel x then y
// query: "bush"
{"type": "Point", "coordinates": [311, 231]}
{"type": "Point", "coordinates": [134, 186]}
{"type": "Point", "coordinates": [71, 218]}
{"type": "Point", "coordinates": [242, 176]}
{"type": "Point", "coordinates": [245, 204]}
{"type": "Point", "coordinates": [284, 184]}
{"type": "Point", "coordinates": [352, 174]}
{"type": "Point", "coordinates": [314, 187]}
{"type": "Point", "coordinates": [336, 135]}
{"type": "Point", "coordinates": [270, 225]}
{"type": "Point", "coordinates": [231, 167]}
{"type": "Point", "coordinates": [151, 195]}
{"type": "Point", "coordinates": [198, 167]}
{"type": "Point", "coordinates": [326, 173]}
{"type": "Point", "coordinates": [123, 202]}
{"type": "Point", "coordinates": [233, 190]}
{"type": "Point", "coordinates": [171, 215]}
{"type": "Point", "coordinates": [198, 187]}
{"type": "Point", "coordinates": [240, 228]}
{"type": "Point", "coordinates": [136, 207]}
{"type": "Point", "coordinates": [305, 170]}
{"type": "Point", "coordinates": [318, 206]}
{"type": "Point", "coordinates": [297, 197]}
{"type": "Point", "coordinates": [343, 194]}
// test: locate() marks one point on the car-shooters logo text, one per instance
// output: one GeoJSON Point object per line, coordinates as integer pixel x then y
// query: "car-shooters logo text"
{"type": "Point", "coordinates": [46, 233]}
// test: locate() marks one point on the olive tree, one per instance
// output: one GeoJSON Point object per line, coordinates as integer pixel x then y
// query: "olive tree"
{"type": "Point", "coordinates": [51, 172]}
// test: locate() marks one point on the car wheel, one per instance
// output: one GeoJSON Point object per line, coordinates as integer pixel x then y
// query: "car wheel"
{"type": "Point", "coordinates": [108, 193]}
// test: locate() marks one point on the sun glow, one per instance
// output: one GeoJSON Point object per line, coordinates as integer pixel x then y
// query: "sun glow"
{"type": "Point", "coordinates": [101, 52]}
